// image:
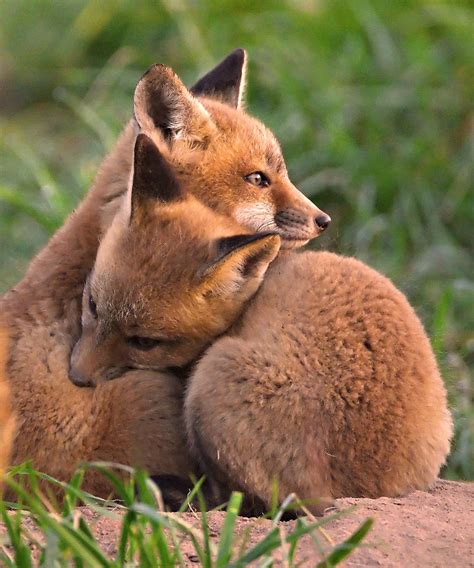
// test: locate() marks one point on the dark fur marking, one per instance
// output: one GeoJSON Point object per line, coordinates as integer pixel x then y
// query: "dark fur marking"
{"type": "Point", "coordinates": [223, 82]}
{"type": "Point", "coordinates": [368, 345]}
{"type": "Point", "coordinates": [227, 245]}
{"type": "Point", "coordinates": [153, 178]}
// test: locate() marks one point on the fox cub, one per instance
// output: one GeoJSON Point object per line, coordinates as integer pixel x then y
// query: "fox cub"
{"type": "Point", "coordinates": [170, 276]}
{"type": "Point", "coordinates": [225, 157]}
{"type": "Point", "coordinates": [328, 385]}
{"type": "Point", "coordinates": [221, 155]}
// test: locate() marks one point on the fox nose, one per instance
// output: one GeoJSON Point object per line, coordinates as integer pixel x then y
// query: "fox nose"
{"type": "Point", "coordinates": [322, 221]}
{"type": "Point", "coordinates": [78, 378]}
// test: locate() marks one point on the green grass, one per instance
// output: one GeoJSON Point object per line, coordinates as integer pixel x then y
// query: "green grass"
{"type": "Point", "coordinates": [54, 531]}
{"type": "Point", "coordinates": [372, 101]}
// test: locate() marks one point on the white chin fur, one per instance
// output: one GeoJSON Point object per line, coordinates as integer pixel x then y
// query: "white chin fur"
{"type": "Point", "coordinates": [292, 244]}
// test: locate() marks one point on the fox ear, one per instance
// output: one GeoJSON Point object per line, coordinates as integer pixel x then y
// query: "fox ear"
{"type": "Point", "coordinates": [239, 263]}
{"type": "Point", "coordinates": [153, 179]}
{"type": "Point", "coordinates": [226, 81]}
{"type": "Point", "coordinates": [163, 103]}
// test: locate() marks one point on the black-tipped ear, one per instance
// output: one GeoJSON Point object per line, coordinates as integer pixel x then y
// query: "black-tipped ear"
{"type": "Point", "coordinates": [153, 178]}
{"type": "Point", "coordinates": [239, 263]}
{"type": "Point", "coordinates": [226, 81]}
{"type": "Point", "coordinates": [162, 103]}
{"type": "Point", "coordinates": [230, 245]}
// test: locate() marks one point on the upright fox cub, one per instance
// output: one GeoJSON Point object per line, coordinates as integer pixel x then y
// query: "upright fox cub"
{"type": "Point", "coordinates": [328, 385]}
{"type": "Point", "coordinates": [226, 158]}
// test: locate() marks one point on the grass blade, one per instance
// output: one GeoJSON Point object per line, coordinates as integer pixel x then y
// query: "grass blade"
{"type": "Point", "coordinates": [224, 552]}
{"type": "Point", "coordinates": [342, 550]}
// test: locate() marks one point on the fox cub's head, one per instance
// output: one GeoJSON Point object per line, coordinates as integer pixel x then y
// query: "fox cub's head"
{"type": "Point", "coordinates": [226, 158]}
{"type": "Point", "coordinates": [170, 276]}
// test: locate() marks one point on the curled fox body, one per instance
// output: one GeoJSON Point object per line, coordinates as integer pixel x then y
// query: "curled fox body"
{"type": "Point", "coordinates": [328, 385]}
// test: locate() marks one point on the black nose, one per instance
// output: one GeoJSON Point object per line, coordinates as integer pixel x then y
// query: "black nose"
{"type": "Point", "coordinates": [78, 378]}
{"type": "Point", "coordinates": [322, 221]}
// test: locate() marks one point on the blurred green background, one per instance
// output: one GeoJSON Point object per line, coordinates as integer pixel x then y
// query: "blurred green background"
{"type": "Point", "coordinates": [372, 101]}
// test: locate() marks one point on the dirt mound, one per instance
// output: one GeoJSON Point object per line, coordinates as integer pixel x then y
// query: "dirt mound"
{"type": "Point", "coordinates": [423, 529]}
{"type": "Point", "coordinates": [434, 529]}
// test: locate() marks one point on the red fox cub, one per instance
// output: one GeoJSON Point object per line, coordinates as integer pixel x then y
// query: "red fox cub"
{"type": "Point", "coordinates": [328, 385]}
{"type": "Point", "coordinates": [177, 260]}
{"type": "Point", "coordinates": [6, 417]}
{"type": "Point", "coordinates": [219, 152]}
{"type": "Point", "coordinates": [222, 155]}
{"type": "Point", "coordinates": [170, 276]}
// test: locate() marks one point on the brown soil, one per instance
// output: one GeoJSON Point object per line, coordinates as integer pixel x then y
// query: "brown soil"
{"type": "Point", "coordinates": [434, 529]}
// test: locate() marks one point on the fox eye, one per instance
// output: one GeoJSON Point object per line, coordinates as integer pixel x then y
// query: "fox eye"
{"type": "Point", "coordinates": [92, 306]}
{"type": "Point", "coordinates": [258, 179]}
{"type": "Point", "coordinates": [143, 343]}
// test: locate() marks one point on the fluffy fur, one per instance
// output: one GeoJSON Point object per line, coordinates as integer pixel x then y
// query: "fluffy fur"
{"type": "Point", "coordinates": [192, 272]}
{"type": "Point", "coordinates": [328, 385]}
{"type": "Point", "coordinates": [214, 146]}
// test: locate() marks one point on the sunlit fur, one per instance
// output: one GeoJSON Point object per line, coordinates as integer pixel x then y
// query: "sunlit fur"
{"type": "Point", "coordinates": [328, 386]}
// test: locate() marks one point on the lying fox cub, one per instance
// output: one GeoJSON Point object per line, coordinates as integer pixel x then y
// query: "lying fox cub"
{"type": "Point", "coordinates": [327, 384]}
{"type": "Point", "coordinates": [170, 276]}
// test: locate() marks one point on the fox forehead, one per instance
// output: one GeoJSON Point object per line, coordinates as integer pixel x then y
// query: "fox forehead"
{"type": "Point", "coordinates": [246, 134]}
{"type": "Point", "coordinates": [156, 260]}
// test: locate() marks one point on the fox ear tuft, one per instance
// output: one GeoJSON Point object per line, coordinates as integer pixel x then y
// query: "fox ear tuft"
{"type": "Point", "coordinates": [226, 82]}
{"type": "Point", "coordinates": [153, 178]}
{"type": "Point", "coordinates": [239, 263]}
{"type": "Point", "coordinates": [163, 103]}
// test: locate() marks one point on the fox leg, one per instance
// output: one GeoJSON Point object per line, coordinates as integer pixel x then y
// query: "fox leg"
{"type": "Point", "coordinates": [250, 427]}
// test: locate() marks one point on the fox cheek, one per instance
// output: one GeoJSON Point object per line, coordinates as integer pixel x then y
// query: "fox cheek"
{"type": "Point", "coordinates": [256, 216]}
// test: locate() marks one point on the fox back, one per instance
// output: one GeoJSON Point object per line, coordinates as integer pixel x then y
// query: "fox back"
{"type": "Point", "coordinates": [328, 385]}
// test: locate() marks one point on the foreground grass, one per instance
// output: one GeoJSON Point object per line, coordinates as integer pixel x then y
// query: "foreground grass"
{"type": "Point", "coordinates": [49, 530]}
{"type": "Point", "coordinates": [372, 101]}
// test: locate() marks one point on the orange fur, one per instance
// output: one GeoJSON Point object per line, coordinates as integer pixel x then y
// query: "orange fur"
{"type": "Point", "coordinates": [138, 420]}
{"type": "Point", "coordinates": [214, 147]}
{"type": "Point", "coordinates": [328, 385]}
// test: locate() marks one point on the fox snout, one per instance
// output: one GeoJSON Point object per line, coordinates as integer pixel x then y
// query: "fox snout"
{"type": "Point", "coordinates": [90, 366]}
{"type": "Point", "coordinates": [296, 222]}
{"type": "Point", "coordinates": [300, 225]}
{"type": "Point", "coordinates": [81, 369]}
